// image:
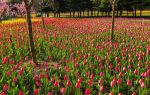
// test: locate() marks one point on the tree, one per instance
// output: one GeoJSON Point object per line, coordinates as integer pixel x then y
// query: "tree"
{"type": "Point", "coordinates": [28, 5]}
{"type": "Point", "coordinates": [96, 4]}
{"type": "Point", "coordinates": [3, 10]}
{"type": "Point", "coordinates": [113, 3]}
{"type": "Point", "coordinates": [39, 6]}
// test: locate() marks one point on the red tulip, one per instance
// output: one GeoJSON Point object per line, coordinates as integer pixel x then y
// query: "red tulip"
{"type": "Point", "coordinates": [20, 93]}
{"type": "Point", "coordinates": [36, 91]}
{"type": "Point", "coordinates": [91, 76]}
{"type": "Point", "coordinates": [52, 80]}
{"type": "Point", "coordinates": [87, 74]}
{"type": "Point", "coordinates": [8, 73]}
{"type": "Point", "coordinates": [133, 93]}
{"type": "Point", "coordinates": [5, 88]}
{"type": "Point", "coordinates": [128, 82]}
{"type": "Point", "coordinates": [3, 93]}
{"type": "Point", "coordinates": [140, 81]}
{"type": "Point", "coordinates": [67, 68]}
{"type": "Point", "coordinates": [100, 81]}
{"type": "Point", "coordinates": [142, 84]}
{"type": "Point", "coordinates": [57, 66]}
{"type": "Point", "coordinates": [112, 83]}
{"type": "Point", "coordinates": [4, 60]}
{"type": "Point", "coordinates": [78, 85]}
{"type": "Point", "coordinates": [124, 69]}
{"type": "Point", "coordinates": [68, 83]}
{"type": "Point", "coordinates": [49, 93]}
{"type": "Point", "coordinates": [119, 81]}
{"type": "Point", "coordinates": [11, 62]}
{"type": "Point", "coordinates": [120, 94]}
{"type": "Point", "coordinates": [79, 80]}
{"type": "Point", "coordinates": [62, 90]}
{"type": "Point", "coordinates": [37, 83]}
{"type": "Point", "coordinates": [89, 82]}
{"type": "Point", "coordinates": [15, 79]}
{"type": "Point", "coordinates": [40, 76]}
{"type": "Point", "coordinates": [136, 71]}
{"type": "Point", "coordinates": [87, 91]}
{"type": "Point", "coordinates": [76, 64]}
{"type": "Point", "coordinates": [56, 83]}
{"type": "Point", "coordinates": [111, 93]}
{"type": "Point", "coordinates": [35, 78]}
{"type": "Point", "coordinates": [65, 77]}
{"type": "Point", "coordinates": [101, 88]}
{"type": "Point", "coordinates": [120, 74]}
{"type": "Point", "coordinates": [101, 74]}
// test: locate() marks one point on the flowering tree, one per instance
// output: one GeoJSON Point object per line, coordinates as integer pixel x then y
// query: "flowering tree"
{"type": "Point", "coordinates": [3, 8]}
{"type": "Point", "coordinates": [11, 10]}
{"type": "Point", "coordinates": [20, 8]}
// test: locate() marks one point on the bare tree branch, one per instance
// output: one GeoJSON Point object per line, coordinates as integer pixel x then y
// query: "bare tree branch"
{"type": "Point", "coordinates": [28, 3]}
{"type": "Point", "coordinates": [31, 3]}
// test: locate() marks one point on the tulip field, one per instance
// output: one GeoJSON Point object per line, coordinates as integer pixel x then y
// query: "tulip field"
{"type": "Point", "coordinates": [76, 57]}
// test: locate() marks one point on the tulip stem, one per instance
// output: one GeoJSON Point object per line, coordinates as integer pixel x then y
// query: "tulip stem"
{"type": "Point", "coordinates": [128, 91]}
{"type": "Point", "coordinates": [118, 88]}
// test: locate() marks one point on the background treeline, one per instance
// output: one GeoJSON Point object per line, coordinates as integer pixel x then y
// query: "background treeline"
{"type": "Point", "coordinates": [95, 7]}
{"type": "Point", "coordinates": [80, 8]}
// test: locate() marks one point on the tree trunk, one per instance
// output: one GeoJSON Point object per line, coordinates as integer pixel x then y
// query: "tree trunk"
{"type": "Point", "coordinates": [0, 20]}
{"type": "Point", "coordinates": [135, 12]}
{"type": "Point", "coordinates": [29, 24]}
{"type": "Point", "coordinates": [47, 14]}
{"type": "Point", "coordinates": [59, 14]}
{"type": "Point", "coordinates": [98, 13]}
{"type": "Point", "coordinates": [120, 13]}
{"type": "Point", "coordinates": [102, 14]}
{"type": "Point", "coordinates": [91, 12]}
{"type": "Point", "coordinates": [54, 14]}
{"type": "Point", "coordinates": [83, 13]}
{"type": "Point", "coordinates": [43, 23]}
{"type": "Point", "coordinates": [117, 13]}
{"type": "Point", "coordinates": [80, 13]}
{"type": "Point", "coordinates": [113, 21]}
{"type": "Point", "coordinates": [108, 14]}
{"type": "Point", "coordinates": [140, 13]}
{"type": "Point", "coordinates": [73, 13]}
{"type": "Point", "coordinates": [70, 13]}
{"type": "Point", "coordinates": [88, 13]}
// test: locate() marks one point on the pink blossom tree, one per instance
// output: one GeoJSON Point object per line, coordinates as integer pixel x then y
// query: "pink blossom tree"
{"type": "Point", "coordinates": [3, 9]}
